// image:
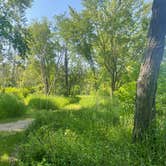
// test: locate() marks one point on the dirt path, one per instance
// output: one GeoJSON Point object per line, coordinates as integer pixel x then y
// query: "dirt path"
{"type": "Point", "coordinates": [16, 126]}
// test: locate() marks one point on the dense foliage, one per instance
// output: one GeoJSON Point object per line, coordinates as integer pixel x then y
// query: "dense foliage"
{"type": "Point", "coordinates": [77, 79]}
{"type": "Point", "coordinates": [100, 47]}
{"type": "Point", "coordinates": [10, 106]}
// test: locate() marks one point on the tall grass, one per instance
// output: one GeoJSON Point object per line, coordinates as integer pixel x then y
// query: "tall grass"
{"type": "Point", "coordinates": [88, 136]}
{"type": "Point", "coordinates": [11, 106]}
{"type": "Point", "coordinates": [97, 133]}
{"type": "Point", "coordinates": [40, 102]}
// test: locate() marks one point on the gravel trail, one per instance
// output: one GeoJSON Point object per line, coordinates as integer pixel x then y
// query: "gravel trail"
{"type": "Point", "coordinates": [19, 125]}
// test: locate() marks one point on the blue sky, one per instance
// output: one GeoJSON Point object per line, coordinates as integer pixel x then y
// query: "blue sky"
{"type": "Point", "coordinates": [49, 8]}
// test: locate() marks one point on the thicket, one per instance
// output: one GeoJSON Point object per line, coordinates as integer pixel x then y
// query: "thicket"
{"type": "Point", "coordinates": [11, 106]}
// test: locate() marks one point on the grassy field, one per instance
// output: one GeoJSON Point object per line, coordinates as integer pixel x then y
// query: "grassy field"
{"type": "Point", "coordinates": [89, 131]}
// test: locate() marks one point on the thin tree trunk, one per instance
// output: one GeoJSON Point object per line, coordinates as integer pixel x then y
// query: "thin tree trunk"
{"type": "Point", "coordinates": [13, 74]}
{"type": "Point", "coordinates": [66, 73]}
{"type": "Point", "coordinates": [53, 85]}
{"type": "Point", "coordinates": [44, 76]}
{"type": "Point", "coordinates": [3, 77]}
{"type": "Point", "coordinates": [113, 83]}
{"type": "Point", "coordinates": [147, 80]}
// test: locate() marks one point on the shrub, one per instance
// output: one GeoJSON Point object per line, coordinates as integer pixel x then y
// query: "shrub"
{"type": "Point", "coordinates": [46, 102]}
{"type": "Point", "coordinates": [19, 92]}
{"type": "Point", "coordinates": [126, 95]}
{"type": "Point", "coordinates": [76, 90]}
{"type": "Point", "coordinates": [104, 90]}
{"type": "Point", "coordinates": [41, 102]}
{"type": "Point", "coordinates": [10, 106]}
{"type": "Point", "coordinates": [88, 101]}
{"type": "Point", "coordinates": [60, 101]}
{"type": "Point", "coordinates": [74, 99]}
{"type": "Point", "coordinates": [161, 104]}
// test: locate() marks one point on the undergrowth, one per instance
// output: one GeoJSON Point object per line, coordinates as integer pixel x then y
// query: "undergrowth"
{"type": "Point", "coordinates": [98, 133]}
{"type": "Point", "coordinates": [11, 106]}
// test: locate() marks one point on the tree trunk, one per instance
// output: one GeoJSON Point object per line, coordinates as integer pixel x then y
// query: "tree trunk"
{"type": "Point", "coordinates": [13, 73]}
{"type": "Point", "coordinates": [113, 83]}
{"type": "Point", "coordinates": [147, 80]}
{"type": "Point", "coordinates": [66, 73]}
{"type": "Point", "coordinates": [4, 74]}
{"type": "Point", "coordinates": [44, 76]}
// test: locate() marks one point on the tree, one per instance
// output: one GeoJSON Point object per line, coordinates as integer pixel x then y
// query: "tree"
{"type": "Point", "coordinates": [118, 28]}
{"type": "Point", "coordinates": [13, 37]}
{"type": "Point", "coordinates": [66, 65]}
{"type": "Point", "coordinates": [41, 47]}
{"type": "Point", "coordinates": [147, 80]}
{"type": "Point", "coordinates": [108, 35]}
{"type": "Point", "coordinates": [77, 36]}
{"type": "Point", "coordinates": [12, 17]}
{"type": "Point", "coordinates": [64, 39]}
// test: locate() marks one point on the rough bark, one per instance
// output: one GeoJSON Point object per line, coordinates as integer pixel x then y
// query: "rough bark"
{"type": "Point", "coordinates": [147, 80]}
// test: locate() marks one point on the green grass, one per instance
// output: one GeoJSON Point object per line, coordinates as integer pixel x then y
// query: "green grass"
{"type": "Point", "coordinates": [11, 106]}
{"type": "Point", "coordinates": [39, 102]}
{"type": "Point", "coordinates": [92, 132]}
{"type": "Point", "coordinates": [9, 142]}
{"type": "Point", "coordinates": [86, 134]}
{"type": "Point", "coordinates": [30, 113]}
{"type": "Point", "coordinates": [87, 131]}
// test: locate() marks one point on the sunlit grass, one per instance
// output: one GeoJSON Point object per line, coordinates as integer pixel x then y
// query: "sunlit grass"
{"type": "Point", "coordinates": [74, 107]}
{"type": "Point", "coordinates": [89, 130]}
